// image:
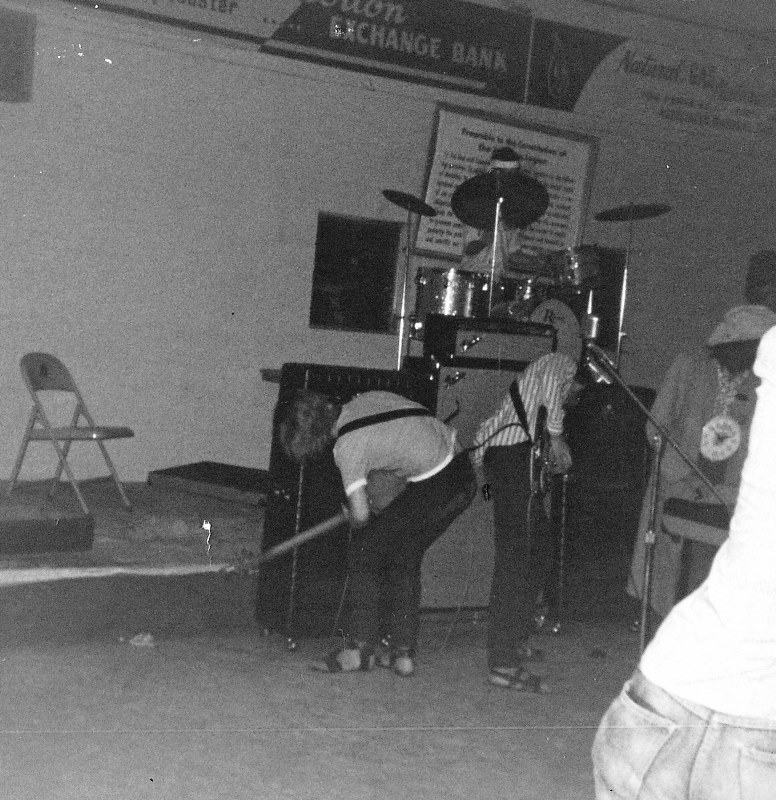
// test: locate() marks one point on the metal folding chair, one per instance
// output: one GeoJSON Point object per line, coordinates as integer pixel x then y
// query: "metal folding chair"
{"type": "Point", "coordinates": [43, 373]}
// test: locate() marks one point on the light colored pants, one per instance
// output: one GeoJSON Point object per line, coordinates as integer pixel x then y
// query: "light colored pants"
{"type": "Point", "coordinates": [652, 746]}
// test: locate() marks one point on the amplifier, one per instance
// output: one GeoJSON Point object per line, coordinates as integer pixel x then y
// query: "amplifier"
{"type": "Point", "coordinates": [489, 343]}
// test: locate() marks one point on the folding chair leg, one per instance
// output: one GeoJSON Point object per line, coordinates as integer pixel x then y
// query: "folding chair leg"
{"type": "Point", "coordinates": [119, 485]}
{"type": "Point", "coordinates": [61, 455]}
{"type": "Point", "coordinates": [17, 467]}
{"type": "Point", "coordinates": [65, 454]}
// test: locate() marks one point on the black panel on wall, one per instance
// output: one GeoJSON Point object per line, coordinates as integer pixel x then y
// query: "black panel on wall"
{"type": "Point", "coordinates": [301, 593]}
{"type": "Point", "coordinates": [354, 273]}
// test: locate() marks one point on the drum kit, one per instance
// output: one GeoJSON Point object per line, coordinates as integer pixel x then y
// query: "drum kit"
{"type": "Point", "coordinates": [541, 288]}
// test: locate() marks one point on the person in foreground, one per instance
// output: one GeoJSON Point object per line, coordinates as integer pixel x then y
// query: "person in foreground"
{"type": "Point", "coordinates": [698, 717]}
{"type": "Point", "coordinates": [406, 480]}
{"type": "Point", "coordinates": [522, 536]}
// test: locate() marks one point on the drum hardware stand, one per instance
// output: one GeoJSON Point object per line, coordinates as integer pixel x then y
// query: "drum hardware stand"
{"type": "Point", "coordinates": [595, 355]}
{"type": "Point", "coordinates": [493, 252]}
{"type": "Point", "coordinates": [416, 206]}
{"type": "Point", "coordinates": [628, 213]}
{"type": "Point", "coordinates": [560, 556]}
{"type": "Point", "coordinates": [623, 294]}
{"type": "Point", "coordinates": [403, 306]}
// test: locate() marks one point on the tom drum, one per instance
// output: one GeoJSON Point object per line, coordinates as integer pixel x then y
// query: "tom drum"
{"type": "Point", "coordinates": [456, 293]}
{"type": "Point", "coordinates": [575, 268]}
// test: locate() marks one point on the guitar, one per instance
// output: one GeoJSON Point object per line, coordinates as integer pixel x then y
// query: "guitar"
{"type": "Point", "coordinates": [541, 466]}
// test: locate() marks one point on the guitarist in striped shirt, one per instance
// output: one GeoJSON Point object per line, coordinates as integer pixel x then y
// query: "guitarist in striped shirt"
{"type": "Point", "coordinates": [506, 446]}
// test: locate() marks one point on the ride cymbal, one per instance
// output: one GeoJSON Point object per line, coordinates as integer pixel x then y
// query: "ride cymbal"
{"type": "Point", "coordinates": [525, 199]}
{"type": "Point", "coordinates": [632, 211]}
{"type": "Point", "coordinates": [409, 203]}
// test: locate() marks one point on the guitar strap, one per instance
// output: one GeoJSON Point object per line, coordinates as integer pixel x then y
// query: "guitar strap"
{"type": "Point", "coordinates": [517, 402]}
{"type": "Point", "coordinates": [385, 416]}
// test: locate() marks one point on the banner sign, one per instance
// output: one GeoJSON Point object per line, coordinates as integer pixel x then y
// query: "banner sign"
{"type": "Point", "coordinates": [17, 55]}
{"type": "Point", "coordinates": [562, 60]}
{"type": "Point", "coordinates": [508, 55]}
{"type": "Point", "coordinates": [677, 89]}
{"type": "Point", "coordinates": [559, 160]}
{"type": "Point", "coordinates": [458, 45]}
{"type": "Point", "coordinates": [254, 20]}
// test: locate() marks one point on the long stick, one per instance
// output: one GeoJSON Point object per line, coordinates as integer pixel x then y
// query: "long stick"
{"type": "Point", "coordinates": [305, 536]}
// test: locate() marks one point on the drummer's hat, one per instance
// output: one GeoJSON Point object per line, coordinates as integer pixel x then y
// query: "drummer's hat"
{"type": "Point", "coordinates": [504, 158]}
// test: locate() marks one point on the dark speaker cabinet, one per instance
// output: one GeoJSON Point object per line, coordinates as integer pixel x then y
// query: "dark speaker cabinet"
{"type": "Point", "coordinates": [606, 433]}
{"type": "Point", "coordinates": [302, 593]}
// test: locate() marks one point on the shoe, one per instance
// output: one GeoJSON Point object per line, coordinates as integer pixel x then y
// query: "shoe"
{"type": "Point", "coordinates": [403, 664]}
{"type": "Point", "coordinates": [517, 678]}
{"type": "Point", "coordinates": [352, 658]}
{"type": "Point", "coordinates": [399, 659]}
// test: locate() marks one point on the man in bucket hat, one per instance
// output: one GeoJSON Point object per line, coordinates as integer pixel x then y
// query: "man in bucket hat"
{"type": "Point", "coordinates": [705, 402]}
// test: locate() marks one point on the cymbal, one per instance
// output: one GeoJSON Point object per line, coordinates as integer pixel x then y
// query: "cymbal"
{"type": "Point", "coordinates": [632, 211]}
{"type": "Point", "coordinates": [525, 199]}
{"type": "Point", "coordinates": [409, 203]}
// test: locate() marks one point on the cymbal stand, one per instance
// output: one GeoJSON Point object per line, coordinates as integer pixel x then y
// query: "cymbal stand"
{"type": "Point", "coordinates": [496, 245]}
{"type": "Point", "coordinates": [623, 292]}
{"type": "Point", "coordinates": [405, 280]}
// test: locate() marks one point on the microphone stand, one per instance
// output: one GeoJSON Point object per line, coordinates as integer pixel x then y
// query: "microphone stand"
{"type": "Point", "coordinates": [608, 367]}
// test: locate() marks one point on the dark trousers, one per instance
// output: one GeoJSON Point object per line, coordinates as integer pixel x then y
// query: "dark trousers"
{"type": "Point", "coordinates": [523, 552]}
{"type": "Point", "coordinates": [386, 555]}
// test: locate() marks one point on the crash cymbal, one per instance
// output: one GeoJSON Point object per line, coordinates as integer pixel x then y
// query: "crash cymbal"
{"type": "Point", "coordinates": [632, 211]}
{"type": "Point", "coordinates": [525, 199]}
{"type": "Point", "coordinates": [409, 203]}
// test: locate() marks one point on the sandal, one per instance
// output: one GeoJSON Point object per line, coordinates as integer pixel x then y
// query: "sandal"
{"type": "Point", "coordinates": [399, 659]}
{"type": "Point", "coordinates": [519, 679]}
{"type": "Point", "coordinates": [349, 659]}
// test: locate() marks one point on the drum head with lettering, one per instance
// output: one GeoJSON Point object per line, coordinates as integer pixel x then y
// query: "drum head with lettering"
{"type": "Point", "coordinates": [562, 318]}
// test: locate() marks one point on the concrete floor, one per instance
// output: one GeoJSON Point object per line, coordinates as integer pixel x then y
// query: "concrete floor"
{"type": "Point", "coordinates": [239, 716]}
{"type": "Point", "coordinates": [214, 709]}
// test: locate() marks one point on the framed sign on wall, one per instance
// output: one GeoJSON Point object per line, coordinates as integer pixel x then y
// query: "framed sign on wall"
{"type": "Point", "coordinates": [562, 161]}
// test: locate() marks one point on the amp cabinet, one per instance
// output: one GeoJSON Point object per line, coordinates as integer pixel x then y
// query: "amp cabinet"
{"type": "Point", "coordinates": [476, 360]}
{"type": "Point", "coordinates": [457, 568]}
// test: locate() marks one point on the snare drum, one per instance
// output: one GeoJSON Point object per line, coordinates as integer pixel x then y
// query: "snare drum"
{"type": "Point", "coordinates": [575, 267]}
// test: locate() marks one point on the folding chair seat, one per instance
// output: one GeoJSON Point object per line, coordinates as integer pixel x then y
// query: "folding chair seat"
{"type": "Point", "coordinates": [45, 373]}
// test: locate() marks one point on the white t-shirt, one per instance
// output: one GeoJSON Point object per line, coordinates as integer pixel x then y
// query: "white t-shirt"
{"type": "Point", "coordinates": [410, 448]}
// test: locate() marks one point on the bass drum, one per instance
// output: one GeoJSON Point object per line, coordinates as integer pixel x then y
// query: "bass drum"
{"type": "Point", "coordinates": [562, 318]}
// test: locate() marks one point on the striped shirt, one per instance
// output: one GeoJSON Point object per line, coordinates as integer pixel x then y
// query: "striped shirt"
{"type": "Point", "coordinates": [545, 382]}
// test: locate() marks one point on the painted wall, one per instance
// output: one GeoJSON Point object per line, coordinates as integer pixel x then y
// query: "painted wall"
{"type": "Point", "coordinates": [161, 195]}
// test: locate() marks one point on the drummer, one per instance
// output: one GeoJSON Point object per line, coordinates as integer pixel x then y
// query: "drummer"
{"type": "Point", "coordinates": [511, 250]}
